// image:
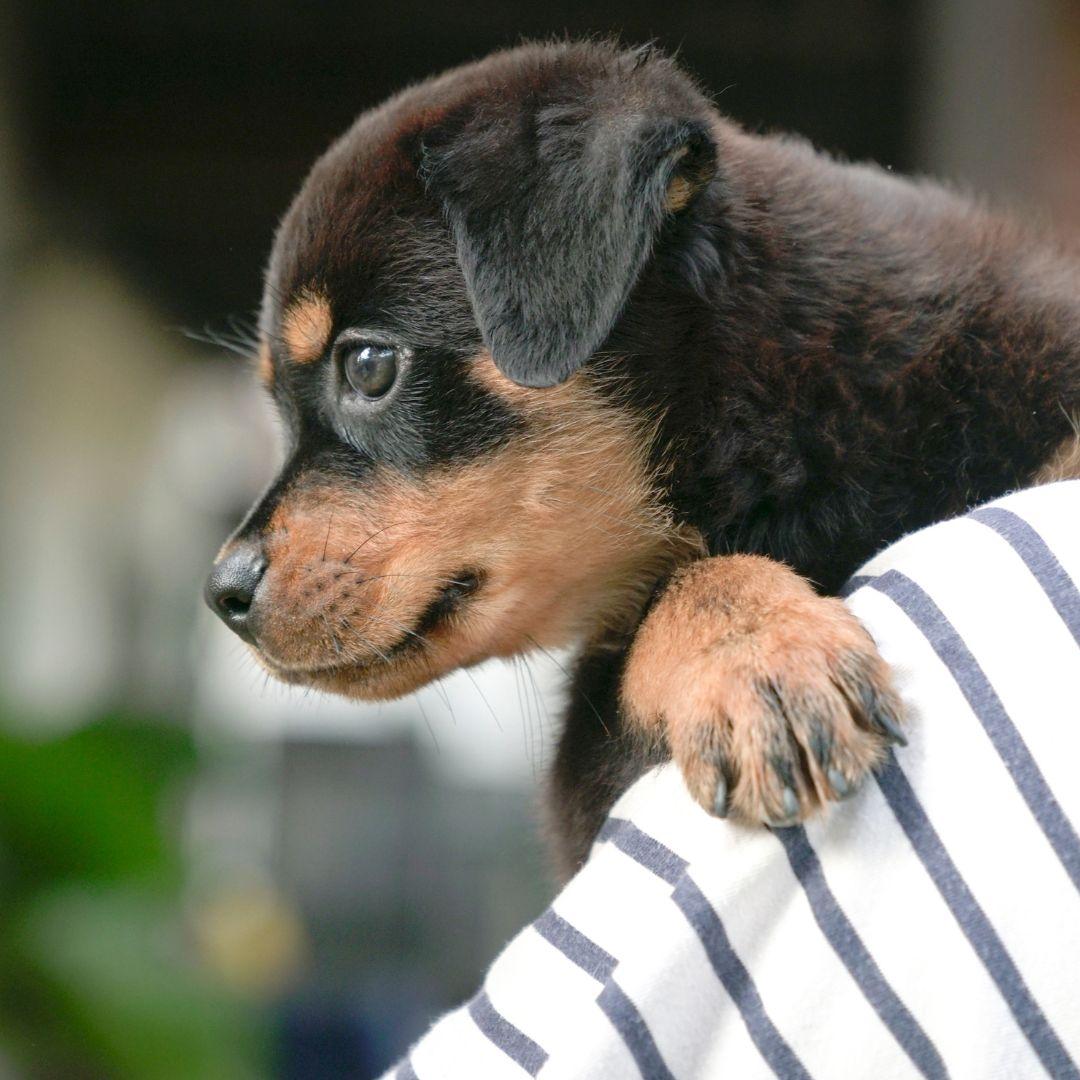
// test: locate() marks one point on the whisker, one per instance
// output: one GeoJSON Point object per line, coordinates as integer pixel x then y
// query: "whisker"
{"type": "Point", "coordinates": [378, 532]}
{"type": "Point", "coordinates": [441, 690]}
{"type": "Point", "coordinates": [521, 709]}
{"type": "Point", "coordinates": [541, 706]}
{"type": "Point", "coordinates": [400, 626]}
{"type": "Point", "coordinates": [237, 346]}
{"type": "Point", "coordinates": [333, 636]}
{"type": "Point", "coordinates": [327, 540]}
{"type": "Point", "coordinates": [367, 644]}
{"type": "Point", "coordinates": [243, 329]}
{"type": "Point", "coordinates": [427, 722]}
{"type": "Point", "coordinates": [596, 712]}
{"type": "Point", "coordinates": [483, 697]}
{"type": "Point", "coordinates": [420, 577]}
{"type": "Point", "coordinates": [534, 722]}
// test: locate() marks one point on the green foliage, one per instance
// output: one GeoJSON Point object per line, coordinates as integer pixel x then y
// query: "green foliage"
{"type": "Point", "coordinates": [97, 977]}
{"type": "Point", "coordinates": [86, 805]}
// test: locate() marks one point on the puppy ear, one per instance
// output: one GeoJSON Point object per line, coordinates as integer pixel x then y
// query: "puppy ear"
{"type": "Point", "coordinates": [555, 213]}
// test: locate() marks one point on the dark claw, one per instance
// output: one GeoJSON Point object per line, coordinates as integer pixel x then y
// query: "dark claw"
{"type": "Point", "coordinates": [791, 810]}
{"type": "Point", "coordinates": [720, 803]}
{"type": "Point", "coordinates": [838, 782]}
{"type": "Point", "coordinates": [890, 727]}
{"type": "Point", "coordinates": [820, 743]}
{"type": "Point", "coordinates": [869, 699]}
{"type": "Point", "coordinates": [787, 794]}
{"type": "Point", "coordinates": [720, 796]}
{"type": "Point", "coordinates": [879, 715]}
{"type": "Point", "coordinates": [782, 766]}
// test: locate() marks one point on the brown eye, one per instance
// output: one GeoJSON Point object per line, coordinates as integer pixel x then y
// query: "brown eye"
{"type": "Point", "coordinates": [370, 369]}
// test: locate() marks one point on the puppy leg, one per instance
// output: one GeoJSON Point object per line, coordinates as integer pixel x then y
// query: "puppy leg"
{"type": "Point", "coordinates": [772, 699]}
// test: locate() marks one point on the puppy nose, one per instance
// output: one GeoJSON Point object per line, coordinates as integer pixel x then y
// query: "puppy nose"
{"type": "Point", "coordinates": [230, 588]}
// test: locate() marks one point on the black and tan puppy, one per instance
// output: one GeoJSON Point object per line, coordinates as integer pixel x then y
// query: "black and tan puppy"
{"type": "Point", "coordinates": [565, 357]}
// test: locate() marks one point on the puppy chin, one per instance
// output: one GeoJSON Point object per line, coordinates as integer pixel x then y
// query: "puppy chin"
{"type": "Point", "coordinates": [373, 680]}
{"type": "Point", "coordinates": [380, 681]}
{"type": "Point", "coordinates": [410, 664]}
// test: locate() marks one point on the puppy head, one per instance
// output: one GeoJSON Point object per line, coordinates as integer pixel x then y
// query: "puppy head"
{"type": "Point", "coordinates": [462, 477]}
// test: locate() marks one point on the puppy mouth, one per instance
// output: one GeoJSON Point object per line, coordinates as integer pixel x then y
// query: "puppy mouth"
{"type": "Point", "coordinates": [413, 639]}
{"type": "Point", "coordinates": [446, 603]}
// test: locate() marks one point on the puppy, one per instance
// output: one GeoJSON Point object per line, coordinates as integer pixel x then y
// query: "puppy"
{"type": "Point", "coordinates": [564, 357]}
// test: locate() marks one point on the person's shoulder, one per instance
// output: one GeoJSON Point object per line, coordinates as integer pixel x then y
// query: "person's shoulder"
{"type": "Point", "coordinates": [1050, 510]}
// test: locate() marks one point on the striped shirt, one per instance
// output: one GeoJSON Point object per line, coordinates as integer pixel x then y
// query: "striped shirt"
{"type": "Point", "coordinates": [930, 926]}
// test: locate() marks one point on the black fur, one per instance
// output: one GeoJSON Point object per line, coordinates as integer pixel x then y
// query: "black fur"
{"type": "Point", "coordinates": [834, 355]}
{"type": "Point", "coordinates": [555, 208]}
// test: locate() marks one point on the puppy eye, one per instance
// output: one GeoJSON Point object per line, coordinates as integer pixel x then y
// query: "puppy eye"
{"type": "Point", "coordinates": [370, 369]}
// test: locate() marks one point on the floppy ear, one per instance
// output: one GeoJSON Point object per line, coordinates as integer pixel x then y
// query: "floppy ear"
{"type": "Point", "coordinates": [555, 213]}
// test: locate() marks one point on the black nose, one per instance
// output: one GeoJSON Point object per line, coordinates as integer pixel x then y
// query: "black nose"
{"type": "Point", "coordinates": [230, 588]}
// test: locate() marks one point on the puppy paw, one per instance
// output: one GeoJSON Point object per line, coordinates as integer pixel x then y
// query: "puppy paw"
{"type": "Point", "coordinates": [772, 700]}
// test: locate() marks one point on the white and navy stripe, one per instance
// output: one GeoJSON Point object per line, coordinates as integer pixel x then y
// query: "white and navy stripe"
{"type": "Point", "coordinates": [929, 927]}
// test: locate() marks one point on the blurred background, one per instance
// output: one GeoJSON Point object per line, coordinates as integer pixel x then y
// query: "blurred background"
{"type": "Point", "coordinates": [202, 875]}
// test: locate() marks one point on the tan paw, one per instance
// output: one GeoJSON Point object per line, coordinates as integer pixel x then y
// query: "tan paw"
{"type": "Point", "coordinates": [773, 700]}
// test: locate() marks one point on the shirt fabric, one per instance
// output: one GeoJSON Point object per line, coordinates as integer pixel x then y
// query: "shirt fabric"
{"type": "Point", "coordinates": [929, 926]}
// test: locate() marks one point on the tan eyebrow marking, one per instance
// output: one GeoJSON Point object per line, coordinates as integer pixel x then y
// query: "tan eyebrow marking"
{"type": "Point", "coordinates": [264, 365]}
{"type": "Point", "coordinates": [679, 193]}
{"type": "Point", "coordinates": [306, 327]}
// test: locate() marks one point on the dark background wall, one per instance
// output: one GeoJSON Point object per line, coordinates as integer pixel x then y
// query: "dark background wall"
{"type": "Point", "coordinates": [175, 133]}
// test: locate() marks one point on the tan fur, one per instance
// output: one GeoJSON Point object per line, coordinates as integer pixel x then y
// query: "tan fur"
{"type": "Point", "coordinates": [264, 365]}
{"type": "Point", "coordinates": [1064, 462]}
{"type": "Point", "coordinates": [741, 663]}
{"type": "Point", "coordinates": [563, 523]}
{"type": "Point", "coordinates": [682, 188]}
{"type": "Point", "coordinates": [306, 326]}
{"type": "Point", "coordinates": [679, 193]}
